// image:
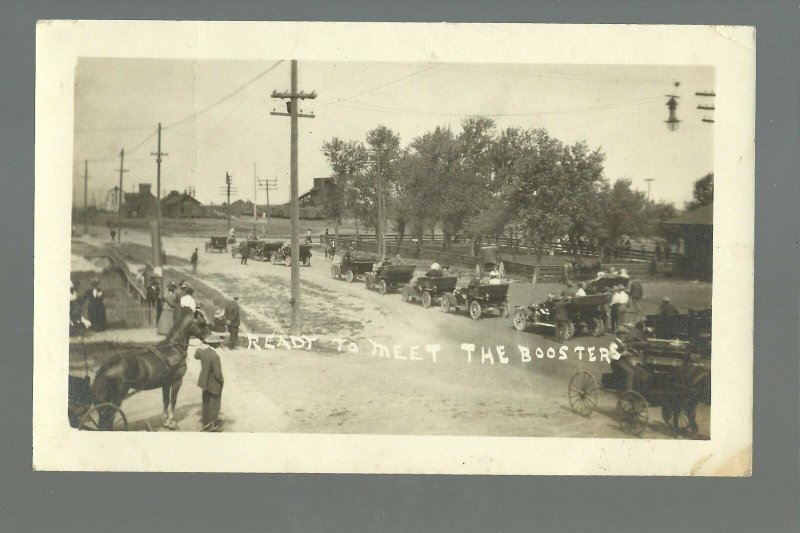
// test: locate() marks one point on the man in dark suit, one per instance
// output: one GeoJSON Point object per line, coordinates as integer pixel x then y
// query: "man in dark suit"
{"type": "Point", "coordinates": [210, 381]}
{"type": "Point", "coordinates": [232, 320]}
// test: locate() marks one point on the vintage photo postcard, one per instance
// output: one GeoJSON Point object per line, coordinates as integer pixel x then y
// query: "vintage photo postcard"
{"type": "Point", "coordinates": [394, 248]}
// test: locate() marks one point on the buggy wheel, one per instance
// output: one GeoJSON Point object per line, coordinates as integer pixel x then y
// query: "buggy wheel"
{"type": "Point", "coordinates": [426, 299]}
{"type": "Point", "coordinates": [445, 304]}
{"type": "Point", "coordinates": [569, 330]}
{"type": "Point", "coordinates": [349, 276]}
{"type": "Point", "coordinates": [288, 261]}
{"type": "Point", "coordinates": [334, 274]}
{"type": "Point", "coordinates": [520, 320]}
{"type": "Point", "coordinates": [597, 327]}
{"type": "Point", "coordinates": [582, 393]}
{"type": "Point", "coordinates": [678, 417]}
{"type": "Point", "coordinates": [632, 411]}
{"type": "Point", "coordinates": [382, 287]}
{"type": "Point", "coordinates": [475, 310]}
{"type": "Point", "coordinates": [91, 420]}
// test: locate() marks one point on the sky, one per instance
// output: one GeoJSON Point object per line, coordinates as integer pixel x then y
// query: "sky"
{"type": "Point", "coordinates": [215, 118]}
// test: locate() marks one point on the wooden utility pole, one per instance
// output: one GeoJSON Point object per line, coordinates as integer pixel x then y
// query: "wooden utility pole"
{"type": "Point", "coordinates": [228, 181]}
{"type": "Point", "coordinates": [157, 251]}
{"type": "Point", "coordinates": [255, 202]}
{"type": "Point", "coordinates": [293, 111]}
{"type": "Point", "coordinates": [119, 194]}
{"type": "Point", "coordinates": [267, 185]}
{"type": "Point", "coordinates": [649, 181]}
{"type": "Point", "coordinates": [379, 229]}
{"type": "Point", "coordinates": [85, 196]}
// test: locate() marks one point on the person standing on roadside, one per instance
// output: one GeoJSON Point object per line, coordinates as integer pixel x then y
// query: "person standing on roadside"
{"type": "Point", "coordinates": [232, 320]}
{"type": "Point", "coordinates": [194, 260]}
{"type": "Point", "coordinates": [210, 382]}
{"type": "Point", "coordinates": [245, 253]}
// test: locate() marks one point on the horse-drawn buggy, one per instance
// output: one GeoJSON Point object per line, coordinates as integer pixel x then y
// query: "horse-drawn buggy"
{"type": "Point", "coordinates": [652, 373]}
{"type": "Point", "coordinates": [96, 406]}
{"type": "Point", "coordinates": [387, 278]}
{"type": "Point", "coordinates": [477, 299]}
{"type": "Point", "coordinates": [351, 268]}
{"type": "Point", "coordinates": [581, 313]}
{"type": "Point", "coordinates": [425, 288]}
{"type": "Point", "coordinates": [217, 243]}
{"type": "Point", "coordinates": [284, 254]}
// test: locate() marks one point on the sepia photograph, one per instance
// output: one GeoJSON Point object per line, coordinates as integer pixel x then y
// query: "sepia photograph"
{"type": "Point", "coordinates": [395, 248]}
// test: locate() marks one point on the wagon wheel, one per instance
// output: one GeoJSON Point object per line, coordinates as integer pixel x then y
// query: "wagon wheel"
{"type": "Point", "coordinates": [288, 261]}
{"type": "Point", "coordinates": [566, 332]}
{"type": "Point", "coordinates": [406, 295]}
{"type": "Point", "coordinates": [582, 393]}
{"type": "Point", "coordinates": [632, 411]}
{"type": "Point", "coordinates": [520, 320]}
{"type": "Point", "coordinates": [598, 328]}
{"type": "Point", "coordinates": [475, 310]}
{"type": "Point", "coordinates": [445, 304]}
{"type": "Point", "coordinates": [349, 276]}
{"type": "Point", "coordinates": [91, 420]}
{"type": "Point", "coordinates": [368, 282]}
{"type": "Point", "coordinates": [307, 261]}
{"type": "Point", "coordinates": [334, 273]}
{"type": "Point", "coordinates": [679, 416]}
{"type": "Point", "coordinates": [382, 287]}
{"type": "Point", "coordinates": [426, 299]}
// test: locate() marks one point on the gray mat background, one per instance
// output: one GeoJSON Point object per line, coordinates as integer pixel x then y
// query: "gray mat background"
{"type": "Point", "coordinates": [35, 501]}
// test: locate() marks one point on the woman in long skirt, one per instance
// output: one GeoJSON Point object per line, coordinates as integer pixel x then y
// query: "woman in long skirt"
{"type": "Point", "coordinates": [169, 303]}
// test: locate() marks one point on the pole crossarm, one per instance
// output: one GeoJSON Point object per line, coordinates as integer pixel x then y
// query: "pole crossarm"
{"type": "Point", "coordinates": [300, 115]}
{"type": "Point", "coordinates": [302, 95]}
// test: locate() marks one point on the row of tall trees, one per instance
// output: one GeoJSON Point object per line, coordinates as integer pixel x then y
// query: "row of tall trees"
{"type": "Point", "coordinates": [481, 182]}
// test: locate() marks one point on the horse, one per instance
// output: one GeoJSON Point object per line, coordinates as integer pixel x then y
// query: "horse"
{"type": "Point", "coordinates": [330, 251]}
{"type": "Point", "coordinates": [162, 365]}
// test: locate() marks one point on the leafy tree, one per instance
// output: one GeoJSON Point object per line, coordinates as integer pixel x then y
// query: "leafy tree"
{"type": "Point", "coordinates": [703, 192]}
{"type": "Point", "coordinates": [348, 161]}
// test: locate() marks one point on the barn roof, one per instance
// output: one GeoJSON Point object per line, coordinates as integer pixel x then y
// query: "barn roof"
{"type": "Point", "coordinates": [702, 216]}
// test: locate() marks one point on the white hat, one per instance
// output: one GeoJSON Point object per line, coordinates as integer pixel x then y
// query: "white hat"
{"type": "Point", "coordinates": [494, 274]}
{"type": "Point", "coordinates": [435, 266]}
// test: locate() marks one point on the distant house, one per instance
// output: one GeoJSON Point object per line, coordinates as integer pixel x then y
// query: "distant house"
{"type": "Point", "coordinates": [241, 207]}
{"type": "Point", "coordinates": [180, 205]}
{"type": "Point", "coordinates": [697, 231]}
{"type": "Point", "coordinates": [315, 196]}
{"type": "Point", "coordinates": [140, 204]}
{"type": "Point", "coordinates": [110, 199]}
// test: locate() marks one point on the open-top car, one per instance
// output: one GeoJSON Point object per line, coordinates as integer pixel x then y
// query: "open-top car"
{"type": "Point", "coordinates": [426, 289]}
{"type": "Point", "coordinates": [389, 277]}
{"type": "Point", "coordinates": [583, 313]}
{"type": "Point", "coordinates": [217, 244]}
{"type": "Point", "coordinates": [351, 268]}
{"type": "Point", "coordinates": [478, 299]}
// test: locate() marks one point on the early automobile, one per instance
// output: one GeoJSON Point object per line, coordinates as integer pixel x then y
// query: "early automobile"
{"type": "Point", "coordinates": [350, 268]}
{"type": "Point", "coordinates": [587, 313]}
{"type": "Point", "coordinates": [478, 300]}
{"type": "Point", "coordinates": [389, 277]}
{"type": "Point", "coordinates": [217, 244]}
{"type": "Point", "coordinates": [284, 254]}
{"type": "Point", "coordinates": [426, 289]}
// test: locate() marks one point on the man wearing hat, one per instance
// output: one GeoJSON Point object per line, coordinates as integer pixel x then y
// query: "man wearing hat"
{"type": "Point", "coordinates": [666, 308]}
{"type": "Point", "coordinates": [187, 300]}
{"type": "Point", "coordinates": [618, 300]}
{"type": "Point", "coordinates": [232, 320]}
{"type": "Point", "coordinates": [210, 381]}
{"type": "Point", "coordinates": [96, 308]}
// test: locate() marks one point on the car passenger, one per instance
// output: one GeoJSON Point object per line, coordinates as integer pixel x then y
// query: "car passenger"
{"type": "Point", "coordinates": [435, 271]}
{"type": "Point", "coordinates": [494, 278]}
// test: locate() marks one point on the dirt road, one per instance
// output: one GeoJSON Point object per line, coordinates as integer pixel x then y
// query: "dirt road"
{"type": "Point", "coordinates": [326, 391]}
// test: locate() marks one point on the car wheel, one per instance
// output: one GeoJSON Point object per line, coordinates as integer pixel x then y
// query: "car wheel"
{"type": "Point", "coordinates": [426, 299]}
{"type": "Point", "coordinates": [520, 320]}
{"type": "Point", "coordinates": [475, 310]}
{"type": "Point", "coordinates": [382, 288]}
{"type": "Point", "coordinates": [445, 304]}
{"type": "Point", "coordinates": [349, 276]}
